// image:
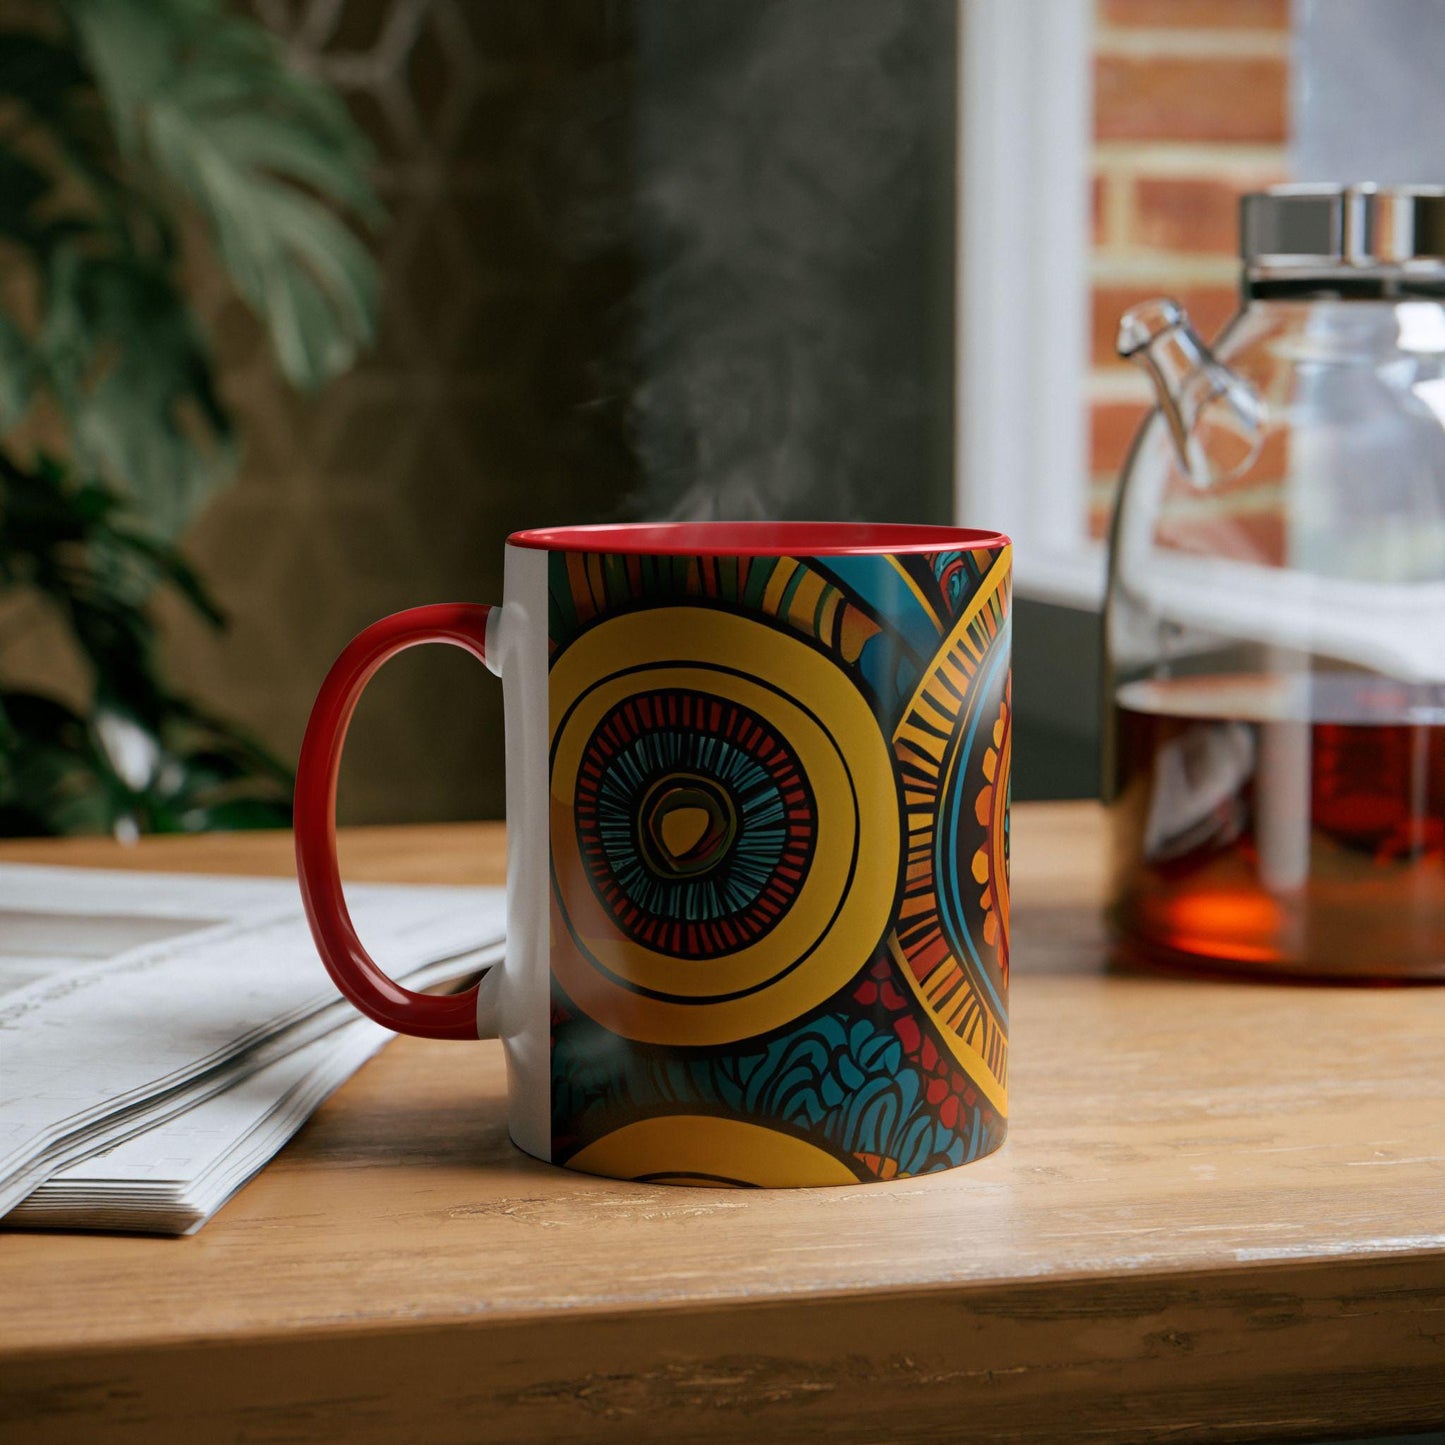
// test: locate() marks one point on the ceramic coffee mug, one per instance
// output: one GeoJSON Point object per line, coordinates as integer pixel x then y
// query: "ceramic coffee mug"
{"type": "Point", "coordinates": [758, 848]}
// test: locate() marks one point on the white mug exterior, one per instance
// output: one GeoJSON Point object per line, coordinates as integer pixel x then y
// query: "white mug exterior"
{"type": "Point", "coordinates": [514, 1000]}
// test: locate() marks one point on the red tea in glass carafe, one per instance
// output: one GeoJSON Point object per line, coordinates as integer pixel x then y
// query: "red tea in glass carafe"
{"type": "Point", "coordinates": [1276, 618]}
{"type": "Point", "coordinates": [1255, 839]}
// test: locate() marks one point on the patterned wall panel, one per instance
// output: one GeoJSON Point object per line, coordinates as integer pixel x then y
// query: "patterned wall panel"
{"type": "Point", "coordinates": [476, 413]}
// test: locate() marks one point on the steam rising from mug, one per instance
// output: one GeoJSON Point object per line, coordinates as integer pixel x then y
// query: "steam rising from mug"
{"type": "Point", "coordinates": [787, 343]}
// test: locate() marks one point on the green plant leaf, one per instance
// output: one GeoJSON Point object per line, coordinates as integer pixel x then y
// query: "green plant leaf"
{"type": "Point", "coordinates": [48, 780]}
{"type": "Point", "coordinates": [17, 372]}
{"type": "Point", "coordinates": [313, 283]}
{"type": "Point", "coordinates": [129, 46]}
{"type": "Point", "coordinates": [39, 72]}
{"type": "Point", "coordinates": [43, 77]}
{"type": "Point", "coordinates": [135, 380]}
{"type": "Point", "coordinates": [22, 185]}
{"type": "Point", "coordinates": [168, 565]}
{"type": "Point", "coordinates": [261, 150]}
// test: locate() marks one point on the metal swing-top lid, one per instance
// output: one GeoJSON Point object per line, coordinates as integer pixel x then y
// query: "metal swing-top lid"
{"type": "Point", "coordinates": [1343, 230]}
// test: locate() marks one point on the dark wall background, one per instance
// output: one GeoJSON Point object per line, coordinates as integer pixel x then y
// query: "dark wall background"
{"type": "Point", "coordinates": [644, 259]}
{"type": "Point", "coordinates": [1057, 707]}
{"type": "Point", "coordinates": [793, 200]}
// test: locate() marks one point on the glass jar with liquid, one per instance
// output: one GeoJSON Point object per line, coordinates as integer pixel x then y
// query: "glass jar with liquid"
{"type": "Point", "coordinates": [1275, 626]}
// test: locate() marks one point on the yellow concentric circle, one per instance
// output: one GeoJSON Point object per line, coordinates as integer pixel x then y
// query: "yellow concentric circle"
{"type": "Point", "coordinates": [845, 901]}
{"type": "Point", "coordinates": [703, 1150]}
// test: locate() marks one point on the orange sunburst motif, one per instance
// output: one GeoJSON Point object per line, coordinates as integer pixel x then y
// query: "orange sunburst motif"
{"type": "Point", "coordinates": [991, 861]}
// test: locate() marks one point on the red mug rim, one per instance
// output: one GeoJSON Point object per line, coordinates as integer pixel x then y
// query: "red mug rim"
{"type": "Point", "coordinates": [757, 539]}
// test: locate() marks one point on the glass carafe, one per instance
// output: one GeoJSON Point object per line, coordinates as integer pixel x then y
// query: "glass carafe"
{"type": "Point", "coordinates": [1275, 625]}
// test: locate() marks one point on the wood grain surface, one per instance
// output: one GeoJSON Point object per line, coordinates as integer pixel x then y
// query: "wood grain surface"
{"type": "Point", "coordinates": [1220, 1215]}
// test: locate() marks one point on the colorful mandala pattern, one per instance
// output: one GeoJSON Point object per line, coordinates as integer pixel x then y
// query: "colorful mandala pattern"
{"type": "Point", "coordinates": [695, 822]}
{"type": "Point", "coordinates": [779, 818]}
{"type": "Point", "coordinates": [953, 748]}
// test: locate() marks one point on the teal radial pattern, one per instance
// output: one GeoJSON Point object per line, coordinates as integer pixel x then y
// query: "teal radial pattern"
{"type": "Point", "coordinates": [695, 822]}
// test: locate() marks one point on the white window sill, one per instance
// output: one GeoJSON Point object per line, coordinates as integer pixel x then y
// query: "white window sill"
{"type": "Point", "coordinates": [1073, 578]}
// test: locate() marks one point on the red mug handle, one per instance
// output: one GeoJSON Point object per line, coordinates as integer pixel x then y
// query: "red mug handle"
{"type": "Point", "coordinates": [431, 1016]}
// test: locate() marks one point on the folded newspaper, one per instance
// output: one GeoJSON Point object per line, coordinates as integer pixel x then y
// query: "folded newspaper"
{"type": "Point", "coordinates": [162, 1035]}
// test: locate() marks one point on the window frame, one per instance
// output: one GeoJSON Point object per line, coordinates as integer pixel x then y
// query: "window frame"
{"type": "Point", "coordinates": [1025, 124]}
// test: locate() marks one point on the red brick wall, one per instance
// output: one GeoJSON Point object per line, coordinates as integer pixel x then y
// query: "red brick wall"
{"type": "Point", "coordinates": [1190, 110]}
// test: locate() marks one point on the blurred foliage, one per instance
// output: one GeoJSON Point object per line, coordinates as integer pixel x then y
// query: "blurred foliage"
{"type": "Point", "coordinates": [143, 758]}
{"type": "Point", "coordinates": [120, 120]}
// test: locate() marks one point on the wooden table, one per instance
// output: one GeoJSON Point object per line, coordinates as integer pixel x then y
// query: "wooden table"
{"type": "Point", "coordinates": [1221, 1215]}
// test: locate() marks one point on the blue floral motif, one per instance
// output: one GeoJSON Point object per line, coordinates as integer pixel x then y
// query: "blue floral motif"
{"type": "Point", "coordinates": [958, 575]}
{"type": "Point", "coordinates": [840, 1079]}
